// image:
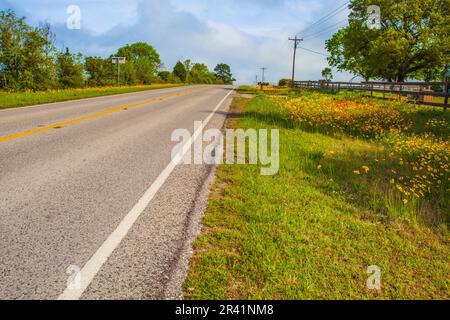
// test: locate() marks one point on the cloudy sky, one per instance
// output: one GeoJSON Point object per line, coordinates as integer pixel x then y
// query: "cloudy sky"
{"type": "Point", "coordinates": [246, 34]}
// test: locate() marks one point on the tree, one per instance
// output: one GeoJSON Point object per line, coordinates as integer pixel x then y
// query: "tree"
{"type": "Point", "coordinates": [201, 74]}
{"type": "Point", "coordinates": [129, 75]}
{"type": "Point", "coordinates": [284, 82]}
{"type": "Point", "coordinates": [168, 77]}
{"type": "Point", "coordinates": [180, 71]}
{"type": "Point", "coordinates": [414, 37]}
{"type": "Point", "coordinates": [189, 72]}
{"type": "Point", "coordinates": [26, 59]}
{"type": "Point", "coordinates": [12, 30]}
{"type": "Point", "coordinates": [327, 74]}
{"type": "Point", "coordinates": [429, 75]}
{"type": "Point", "coordinates": [344, 55]}
{"type": "Point", "coordinates": [188, 67]}
{"type": "Point", "coordinates": [69, 70]}
{"type": "Point", "coordinates": [101, 72]}
{"type": "Point", "coordinates": [143, 63]}
{"type": "Point", "coordinates": [223, 73]}
{"type": "Point", "coordinates": [164, 76]}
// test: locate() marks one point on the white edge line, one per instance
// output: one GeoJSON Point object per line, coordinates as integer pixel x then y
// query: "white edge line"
{"type": "Point", "coordinates": [100, 257]}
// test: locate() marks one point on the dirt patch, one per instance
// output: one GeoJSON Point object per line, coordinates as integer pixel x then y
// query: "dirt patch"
{"type": "Point", "coordinates": [236, 110]}
{"type": "Point", "coordinates": [247, 96]}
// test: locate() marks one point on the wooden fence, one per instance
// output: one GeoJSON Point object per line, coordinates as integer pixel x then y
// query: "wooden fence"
{"type": "Point", "coordinates": [424, 93]}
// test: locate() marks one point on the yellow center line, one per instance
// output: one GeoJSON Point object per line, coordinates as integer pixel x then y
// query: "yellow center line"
{"type": "Point", "coordinates": [95, 115]}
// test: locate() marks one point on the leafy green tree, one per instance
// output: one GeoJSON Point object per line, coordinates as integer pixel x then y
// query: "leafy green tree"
{"type": "Point", "coordinates": [13, 30]}
{"type": "Point", "coordinates": [101, 72]}
{"type": "Point", "coordinates": [346, 54]}
{"type": "Point", "coordinates": [26, 59]}
{"type": "Point", "coordinates": [188, 66]}
{"type": "Point", "coordinates": [143, 62]}
{"type": "Point", "coordinates": [429, 75]}
{"type": "Point", "coordinates": [168, 77]}
{"type": "Point", "coordinates": [223, 73]}
{"type": "Point", "coordinates": [189, 72]}
{"type": "Point", "coordinates": [414, 37]}
{"type": "Point", "coordinates": [129, 75]}
{"type": "Point", "coordinates": [284, 82]}
{"type": "Point", "coordinates": [164, 76]}
{"type": "Point", "coordinates": [201, 74]}
{"type": "Point", "coordinates": [69, 70]}
{"type": "Point", "coordinates": [327, 74]}
{"type": "Point", "coordinates": [180, 71]}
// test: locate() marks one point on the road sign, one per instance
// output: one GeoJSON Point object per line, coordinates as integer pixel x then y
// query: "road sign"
{"type": "Point", "coordinates": [119, 60]}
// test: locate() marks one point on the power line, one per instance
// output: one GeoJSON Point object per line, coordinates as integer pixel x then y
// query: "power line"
{"type": "Point", "coordinates": [328, 29]}
{"type": "Point", "coordinates": [331, 14]}
{"type": "Point", "coordinates": [320, 30]}
{"type": "Point", "coordinates": [297, 40]}
{"type": "Point", "coordinates": [316, 52]}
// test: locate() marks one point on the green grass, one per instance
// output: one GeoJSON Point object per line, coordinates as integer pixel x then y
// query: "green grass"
{"type": "Point", "coordinates": [248, 90]}
{"type": "Point", "coordinates": [20, 99]}
{"type": "Point", "coordinates": [268, 90]}
{"type": "Point", "coordinates": [312, 231]}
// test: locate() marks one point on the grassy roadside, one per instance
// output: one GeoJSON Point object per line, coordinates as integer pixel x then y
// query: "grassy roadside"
{"type": "Point", "coordinates": [21, 99]}
{"type": "Point", "coordinates": [312, 231]}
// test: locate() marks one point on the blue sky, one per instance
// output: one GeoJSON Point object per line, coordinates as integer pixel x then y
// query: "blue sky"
{"type": "Point", "coordinates": [246, 34]}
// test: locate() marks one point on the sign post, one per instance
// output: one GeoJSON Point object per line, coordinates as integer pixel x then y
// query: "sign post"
{"type": "Point", "coordinates": [446, 93]}
{"type": "Point", "coordinates": [446, 75]}
{"type": "Point", "coordinates": [118, 61]}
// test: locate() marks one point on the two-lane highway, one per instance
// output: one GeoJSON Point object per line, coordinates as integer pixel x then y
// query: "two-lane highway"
{"type": "Point", "coordinates": [89, 184]}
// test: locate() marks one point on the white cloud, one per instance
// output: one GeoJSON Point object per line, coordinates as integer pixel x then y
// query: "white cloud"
{"type": "Point", "coordinates": [245, 34]}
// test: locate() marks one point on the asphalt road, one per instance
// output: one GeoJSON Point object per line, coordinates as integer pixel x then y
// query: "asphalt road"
{"type": "Point", "coordinates": [87, 184]}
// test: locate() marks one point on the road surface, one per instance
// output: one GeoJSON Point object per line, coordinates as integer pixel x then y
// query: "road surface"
{"type": "Point", "coordinates": [89, 196]}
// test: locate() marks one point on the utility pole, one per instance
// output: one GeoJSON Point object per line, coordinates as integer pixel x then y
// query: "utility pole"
{"type": "Point", "coordinates": [262, 81]}
{"type": "Point", "coordinates": [118, 74]}
{"type": "Point", "coordinates": [256, 80]}
{"type": "Point", "coordinates": [446, 86]}
{"type": "Point", "coordinates": [297, 41]}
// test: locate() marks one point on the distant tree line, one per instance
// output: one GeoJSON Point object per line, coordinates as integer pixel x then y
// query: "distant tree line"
{"type": "Point", "coordinates": [30, 61]}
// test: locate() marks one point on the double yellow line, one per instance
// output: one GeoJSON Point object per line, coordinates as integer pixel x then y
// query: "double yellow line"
{"type": "Point", "coordinates": [96, 115]}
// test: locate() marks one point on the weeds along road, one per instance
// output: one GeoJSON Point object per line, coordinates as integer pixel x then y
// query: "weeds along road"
{"type": "Point", "coordinates": [89, 185]}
